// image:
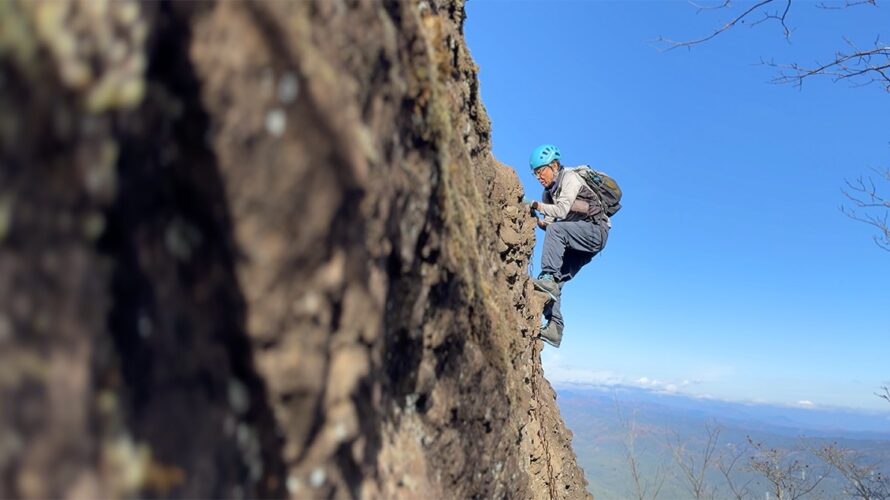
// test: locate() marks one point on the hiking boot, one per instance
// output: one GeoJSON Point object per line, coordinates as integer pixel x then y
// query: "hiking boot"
{"type": "Point", "coordinates": [548, 285]}
{"type": "Point", "coordinates": [552, 334]}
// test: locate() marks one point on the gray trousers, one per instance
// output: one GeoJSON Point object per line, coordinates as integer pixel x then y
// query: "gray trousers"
{"type": "Point", "coordinates": [569, 246]}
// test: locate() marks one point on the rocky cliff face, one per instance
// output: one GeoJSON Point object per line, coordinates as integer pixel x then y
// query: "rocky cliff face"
{"type": "Point", "coordinates": [262, 249]}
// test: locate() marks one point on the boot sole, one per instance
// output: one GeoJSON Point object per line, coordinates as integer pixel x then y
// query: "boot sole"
{"type": "Point", "coordinates": [541, 289]}
{"type": "Point", "coordinates": [554, 344]}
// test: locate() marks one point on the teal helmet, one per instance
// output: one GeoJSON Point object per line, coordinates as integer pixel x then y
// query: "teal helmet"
{"type": "Point", "coordinates": [543, 155]}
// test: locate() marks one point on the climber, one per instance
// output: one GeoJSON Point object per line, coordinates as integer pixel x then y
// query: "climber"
{"type": "Point", "coordinates": [576, 229]}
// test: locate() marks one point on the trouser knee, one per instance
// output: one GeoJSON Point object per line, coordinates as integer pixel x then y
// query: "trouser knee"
{"type": "Point", "coordinates": [555, 229]}
{"type": "Point", "coordinates": [555, 234]}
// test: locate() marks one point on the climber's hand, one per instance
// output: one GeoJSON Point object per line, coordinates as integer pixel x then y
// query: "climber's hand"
{"type": "Point", "coordinates": [531, 206]}
{"type": "Point", "coordinates": [541, 224]}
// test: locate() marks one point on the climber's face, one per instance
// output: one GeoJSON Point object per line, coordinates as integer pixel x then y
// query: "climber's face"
{"type": "Point", "coordinates": [547, 174]}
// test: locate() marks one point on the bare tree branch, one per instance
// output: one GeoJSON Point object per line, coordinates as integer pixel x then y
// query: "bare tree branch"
{"type": "Point", "coordinates": [886, 394]}
{"type": "Point", "coordinates": [865, 481]}
{"type": "Point", "coordinates": [672, 44]}
{"type": "Point", "coordinates": [869, 206]}
{"type": "Point", "coordinates": [693, 474]}
{"type": "Point", "coordinates": [860, 66]}
{"type": "Point", "coordinates": [701, 8]}
{"type": "Point", "coordinates": [780, 18]}
{"type": "Point", "coordinates": [726, 464]}
{"type": "Point", "coordinates": [847, 4]}
{"type": "Point", "coordinates": [790, 478]}
{"type": "Point", "coordinates": [643, 488]}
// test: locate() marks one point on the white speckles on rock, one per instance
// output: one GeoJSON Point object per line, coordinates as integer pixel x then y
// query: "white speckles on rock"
{"type": "Point", "coordinates": [340, 431]}
{"type": "Point", "coordinates": [242, 434]}
{"type": "Point", "coordinates": [288, 88]}
{"type": "Point", "coordinates": [239, 399]}
{"type": "Point", "coordinates": [310, 304]}
{"type": "Point", "coordinates": [408, 482]}
{"type": "Point", "coordinates": [249, 445]}
{"type": "Point", "coordinates": [144, 326]}
{"type": "Point", "coordinates": [411, 401]}
{"type": "Point", "coordinates": [317, 478]}
{"type": "Point", "coordinates": [294, 485]}
{"type": "Point", "coordinates": [181, 238]}
{"type": "Point", "coordinates": [276, 122]}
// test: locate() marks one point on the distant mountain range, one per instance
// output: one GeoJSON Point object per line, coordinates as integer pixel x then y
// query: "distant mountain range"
{"type": "Point", "coordinates": [787, 420]}
{"type": "Point", "coordinates": [601, 419]}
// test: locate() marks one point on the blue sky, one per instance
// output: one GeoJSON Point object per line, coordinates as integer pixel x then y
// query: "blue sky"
{"type": "Point", "coordinates": [730, 271]}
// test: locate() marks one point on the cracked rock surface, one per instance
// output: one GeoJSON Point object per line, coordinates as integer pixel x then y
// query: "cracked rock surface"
{"type": "Point", "coordinates": [262, 249]}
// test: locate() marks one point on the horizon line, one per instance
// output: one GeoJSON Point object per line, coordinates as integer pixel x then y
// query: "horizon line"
{"type": "Point", "coordinates": [800, 405]}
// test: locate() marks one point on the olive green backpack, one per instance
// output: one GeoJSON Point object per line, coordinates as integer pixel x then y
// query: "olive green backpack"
{"type": "Point", "coordinates": [604, 186]}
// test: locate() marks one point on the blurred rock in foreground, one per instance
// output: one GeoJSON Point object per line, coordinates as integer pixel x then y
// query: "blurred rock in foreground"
{"type": "Point", "coordinates": [262, 249]}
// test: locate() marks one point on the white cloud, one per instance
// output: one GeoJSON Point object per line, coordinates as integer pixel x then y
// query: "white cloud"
{"type": "Point", "coordinates": [569, 374]}
{"type": "Point", "coordinates": [659, 385]}
{"type": "Point", "coordinates": [563, 374]}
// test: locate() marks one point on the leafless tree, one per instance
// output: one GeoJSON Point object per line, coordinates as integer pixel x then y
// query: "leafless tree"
{"type": "Point", "coordinates": [860, 64]}
{"type": "Point", "coordinates": [694, 464]}
{"type": "Point", "coordinates": [885, 394]}
{"type": "Point", "coordinates": [854, 63]}
{"type": "Point", "coordinates": [789, 477]}
{"type": "Point", "coordinates": [726, 463]}
{"type": "Point", "coordinates": [869, 206]}
{"type": "Point", "coordinates": [644, 488]}
{"type": "Point", "coordinates": [863, 480]}
{"type": "Point", "coordinates": [750, 14]}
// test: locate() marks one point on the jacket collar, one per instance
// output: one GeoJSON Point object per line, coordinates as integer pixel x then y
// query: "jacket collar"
{"type": "Point", "coordinates": [554, 188]}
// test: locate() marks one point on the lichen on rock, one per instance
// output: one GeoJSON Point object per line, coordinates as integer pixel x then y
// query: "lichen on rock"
{"type": "Point", "coordinates": [97, 46]}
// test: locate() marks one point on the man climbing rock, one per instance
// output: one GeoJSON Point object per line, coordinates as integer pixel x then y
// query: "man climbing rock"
{"type": "Point", "coordinates": [576, 212]}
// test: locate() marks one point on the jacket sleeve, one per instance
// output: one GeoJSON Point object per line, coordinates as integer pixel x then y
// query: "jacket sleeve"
{"type": "Point", "coordinates": [545, 199]}
{"type": "Point", "coordinates": [571, 186]}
